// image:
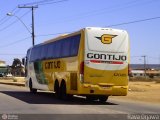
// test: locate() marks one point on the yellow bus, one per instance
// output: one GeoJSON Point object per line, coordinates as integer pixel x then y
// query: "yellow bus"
{"type": "Point", "coordinates": [91, 62]}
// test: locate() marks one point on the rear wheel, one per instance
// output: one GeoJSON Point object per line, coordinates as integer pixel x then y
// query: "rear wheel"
{"type": "Point", "coordinates": [63, 91]}
{"type": "Point", "coordinates": [32, 90]}
{"type": "Point", "coordinates": [103, 98]}
{"type": "Point", "coordinates": [57, 89]}
{"type": "Point", "coordinates": [91, 98]}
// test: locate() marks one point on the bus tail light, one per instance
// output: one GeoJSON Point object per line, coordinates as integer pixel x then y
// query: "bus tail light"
{"type": "Point", "coordinates": [82, 71]}
{"type": "Point", "coordinates": [129, 70]}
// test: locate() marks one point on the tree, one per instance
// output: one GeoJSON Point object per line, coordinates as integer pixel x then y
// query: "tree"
{"type": "Point", "coordinates": [17, 68]}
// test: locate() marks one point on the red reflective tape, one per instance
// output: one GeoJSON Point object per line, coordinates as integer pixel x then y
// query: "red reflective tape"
{"type": "Point", "coordinates": [109, 62]}
{"type": "Point", "coordinates": [95, 61]}
{"type": "Point", "coordinates": [116, 62]}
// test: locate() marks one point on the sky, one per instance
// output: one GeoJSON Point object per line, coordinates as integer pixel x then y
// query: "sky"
{"type": "Point", "coordinates": [55, 17]}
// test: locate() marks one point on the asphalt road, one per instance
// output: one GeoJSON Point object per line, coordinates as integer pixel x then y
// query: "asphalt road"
{"type": "Point", "coordinates": [18, 100]}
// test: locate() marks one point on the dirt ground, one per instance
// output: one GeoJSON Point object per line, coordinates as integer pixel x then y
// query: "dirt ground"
{"type": "Point", "coordinates": [147, 91]}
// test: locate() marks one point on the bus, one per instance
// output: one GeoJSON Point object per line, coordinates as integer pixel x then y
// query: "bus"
{"type": "Point", "coordinates": [92, 62]}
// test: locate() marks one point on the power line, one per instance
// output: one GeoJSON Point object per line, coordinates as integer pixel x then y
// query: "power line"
{"type": "Point", "coordinates": [43, 2]}
{"type": "Point", "coordinates": [135, 56]}
{"type": "Point", "coordinates": [21, 40]}
{"type": "Point", "coordinates": [132, 22]}
{"type": "Point", "coordinates": [53, 2]}
{"type": "Point", "coordinates": [36, 3]}
{"type": "Point", "coordinates": [10, 44]}
{"type": "Point", "coordinates": [6, 18]}
{"type": "Point", "coordinates": [150, 57]}
{"type": "Point", "coordinates": [49, 34]}
{"type": "Point", "coordinates": [136, 21]}
{"type": "Point", "coordinates": [11, 54]}
{"type": "Point", "coordinates": [14, 21]}
{"type": "Point", "coordinates": [18, 41]}
{"type": "Point", "coordinates": [106, 10]}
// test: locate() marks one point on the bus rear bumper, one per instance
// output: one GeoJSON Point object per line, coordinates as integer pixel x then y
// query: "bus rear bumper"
{"type": "Point", "coordinates": [119, 90]}
{"type": "Point", "coordinates": [109, 90]}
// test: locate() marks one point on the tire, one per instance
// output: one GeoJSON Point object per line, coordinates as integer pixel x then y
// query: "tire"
{"type": "Point", "coordinates": [32, 90]}
{"type": "Point", "coordinates": [91, 98]}
{"type": "Point", "coordinates": [57, 89]}
{"type": "Point", "coordinates": [103, 98]}
{"type": "Point", "coordinates": [63, 91]}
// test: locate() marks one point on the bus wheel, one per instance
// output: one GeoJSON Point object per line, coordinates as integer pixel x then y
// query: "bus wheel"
{"type": "Point", "coordinates": [103, 98]}
{"type": "Point", "coordinates": [63, 91]}
{"type": "Point", "coordinates": [91, 98]}
{"type": "Point", "coordinates": [32, 90]}
{"type": "Point", "coordinates": [56, 89]}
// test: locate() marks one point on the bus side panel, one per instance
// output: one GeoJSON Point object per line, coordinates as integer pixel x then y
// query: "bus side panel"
{"type": "Point", "coordinates": [34, 76]}
{"type": "Point", "coordinates": [80, 76]}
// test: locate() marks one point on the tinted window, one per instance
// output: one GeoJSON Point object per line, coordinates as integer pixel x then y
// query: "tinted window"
{"type": "Point", "coordinates": [44, 51]}
{"type": "Point", "coordinates": [66, 47]}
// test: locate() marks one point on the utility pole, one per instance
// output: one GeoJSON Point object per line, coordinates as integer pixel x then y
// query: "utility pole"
{"type": "Point", "coordinates": [32, 8]}
{"type": "Point", "coordinates": [144, 65]}
{"type": "Point", "coordinates": [159, 61]}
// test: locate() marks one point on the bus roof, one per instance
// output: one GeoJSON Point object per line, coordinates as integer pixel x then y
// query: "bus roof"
{"type": "Point", "coordinates": [62, 36]}
{"type": "Point", "coordinates": [77, 32]}
{"type": "Point", "coordinates": [72, 34]}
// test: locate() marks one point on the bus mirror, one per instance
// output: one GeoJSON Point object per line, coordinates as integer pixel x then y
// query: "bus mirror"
{"type": "Point", "coordinates": [23, 61]}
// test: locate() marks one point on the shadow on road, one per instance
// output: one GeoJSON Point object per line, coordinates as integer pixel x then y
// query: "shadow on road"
{"type": "Point", "coordinates": [49, 98]}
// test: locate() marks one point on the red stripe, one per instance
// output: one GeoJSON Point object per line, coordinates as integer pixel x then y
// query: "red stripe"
{"type": "Point", "coordinates": [116, 62]}
{"type": "Point", "coordinates": [109, 62]}
{"type": "Point", "coordinates": [95, 61]}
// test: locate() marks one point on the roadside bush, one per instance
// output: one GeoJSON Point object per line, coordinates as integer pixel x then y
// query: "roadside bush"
{"type": "Point", "coordinates": [14, 79]}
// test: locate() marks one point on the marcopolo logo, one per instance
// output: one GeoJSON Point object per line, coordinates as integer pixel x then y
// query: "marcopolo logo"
{"type": "Point", "coordinates": [106, 38]}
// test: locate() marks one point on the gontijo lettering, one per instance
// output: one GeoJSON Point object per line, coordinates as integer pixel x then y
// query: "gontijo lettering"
{"type": "Point", "coordinates": [106, 56]}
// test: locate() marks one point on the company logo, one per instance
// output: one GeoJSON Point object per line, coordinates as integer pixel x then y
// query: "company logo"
{"type": "Point", "coordinates": [9, 117]}
{"type": "Point", "coordinates": [4, 116]}
{"type": "Point", "coordinates": [106, 38]}
{"type": "Point", "coordinates": [106, 58]}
